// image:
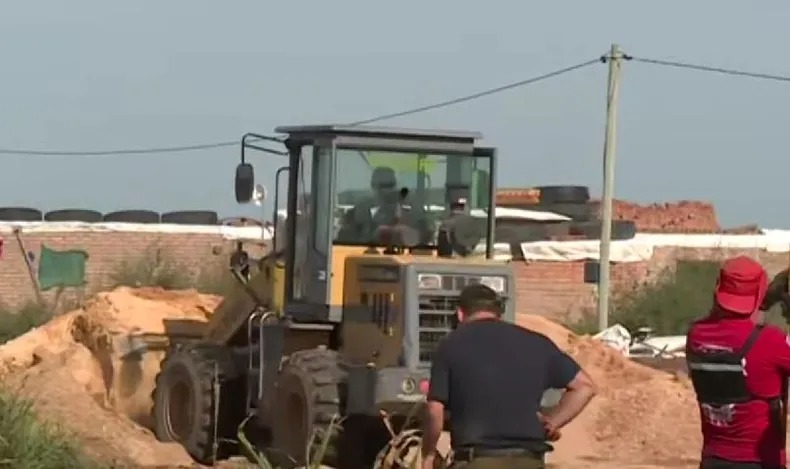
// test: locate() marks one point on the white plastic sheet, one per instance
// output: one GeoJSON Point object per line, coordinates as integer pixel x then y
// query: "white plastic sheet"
{"type": "Point", "coordinates": [640, 248]}
{"type": "Point", "coordinates": [617, 337]}
{"type": "Point", "coordinates": [250, 233]}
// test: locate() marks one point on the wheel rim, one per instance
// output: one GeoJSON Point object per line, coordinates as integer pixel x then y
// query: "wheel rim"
{"type": "Point", "coordinates": [180, 417]}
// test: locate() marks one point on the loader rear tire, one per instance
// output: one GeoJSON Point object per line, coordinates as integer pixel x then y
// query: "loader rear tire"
{"type": "Point", "coordinates": [185, 406]}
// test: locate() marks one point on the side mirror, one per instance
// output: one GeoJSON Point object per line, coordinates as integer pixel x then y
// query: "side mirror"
{"type": "Point", "coordinates": [244, 182]}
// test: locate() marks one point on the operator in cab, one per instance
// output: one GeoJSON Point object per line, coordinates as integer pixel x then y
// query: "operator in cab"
{"type": "Point", "coordinates": [490, 376]}
{"type": "Point", "coordinates": [386, 207]}
{"type": "Point", "coordinates": [361, 222]}
{"type": "Point", "coordinates": [739, 368]}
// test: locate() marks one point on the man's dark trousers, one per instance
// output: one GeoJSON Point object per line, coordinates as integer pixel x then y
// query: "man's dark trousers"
{"type": "Point", "coordinates": [716, 463]}
{"type": "Point", "coordinates": [501, 462]}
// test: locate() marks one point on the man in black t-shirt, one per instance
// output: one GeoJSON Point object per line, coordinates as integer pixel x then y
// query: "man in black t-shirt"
{"type": "Point", "coordinates": [490, 376]}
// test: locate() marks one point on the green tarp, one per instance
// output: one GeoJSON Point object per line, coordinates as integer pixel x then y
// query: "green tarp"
{"type": "Point", "coordinates": [61, 268]}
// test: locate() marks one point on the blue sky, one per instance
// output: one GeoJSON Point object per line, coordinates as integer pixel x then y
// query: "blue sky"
{"type": "Point", "coordinates": [95, 75]}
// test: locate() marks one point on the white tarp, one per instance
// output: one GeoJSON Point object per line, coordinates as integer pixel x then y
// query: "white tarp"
{"type": "Point", "coordinates": [245, 233]}
{"type": "Point", "coordinates": [620, 339]}
{"type": "Point", "coordinates": [501, 251]}
{"type": "Point", "coordinates": [660, 346]}
{"type": "Point", "coordinates": [565, 251]}
{"type": "Point", "coordinates": [640, 248]}
{"type": "Point", "coordinates": [617, 337]}
{"type": "Point", "coordinates": [499, 213]}
{"type": "Point", "coordinates": [234, 233]}
{"type": "Point", "coordinates": [520, 214]}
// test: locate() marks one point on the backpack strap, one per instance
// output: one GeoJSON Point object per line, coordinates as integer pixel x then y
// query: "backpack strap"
{"type": "Point", "coordinates": [751, 340]}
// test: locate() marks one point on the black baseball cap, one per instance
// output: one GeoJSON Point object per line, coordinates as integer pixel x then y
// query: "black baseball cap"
{"type": "Point", "coordinates": [479, 297]}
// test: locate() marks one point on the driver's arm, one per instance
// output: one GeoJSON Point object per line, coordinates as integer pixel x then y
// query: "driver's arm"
{"type": "Point", "coordinates": [357, 225]}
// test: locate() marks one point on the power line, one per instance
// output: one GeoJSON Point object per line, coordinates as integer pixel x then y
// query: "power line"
{"type": "Point", "coordinates": [707, 68]}
{"type": "Point", "coordinates": [480, 94]}
{"type": "Point", "coordinates": [207, 146]}
{"type": "Point", "coordinates": [140, 151]}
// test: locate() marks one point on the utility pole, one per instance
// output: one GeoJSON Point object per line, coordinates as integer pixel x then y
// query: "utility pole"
{"type": "Point", "coordinates": [609, 151]}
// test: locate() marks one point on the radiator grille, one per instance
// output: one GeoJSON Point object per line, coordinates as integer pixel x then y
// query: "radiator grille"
{"type": "Point", "coordinates": [437, 315]}
{"type": "Point", "coordinates": [437, 319]}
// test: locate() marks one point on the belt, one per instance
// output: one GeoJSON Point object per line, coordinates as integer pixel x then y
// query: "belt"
{"type": "Point", "coordinates": [468, 454]}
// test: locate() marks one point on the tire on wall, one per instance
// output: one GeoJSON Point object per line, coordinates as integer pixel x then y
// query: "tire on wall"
{"type": "Point", "coordinates": [191, 217]}
{"type": "Point", "coordinates": [564, 194]}
{"type": "Point", "coordinates": [621, 229]}
{"type": "Point", "coordinates": [74, 214]}
{"type": "Point", "coordinates": [132, 216]}
{"type": "Point", "coordinates": [20, 214]}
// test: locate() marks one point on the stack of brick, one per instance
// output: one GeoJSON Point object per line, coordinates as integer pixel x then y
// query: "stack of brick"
{"type": "Point", "coordinates": [517, 196]}
{"type": "Point", "coordinates": [673, 217]}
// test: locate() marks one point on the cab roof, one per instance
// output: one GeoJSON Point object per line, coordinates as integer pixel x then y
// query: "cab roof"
{"type": "Point", "coordinates": [380, 132]}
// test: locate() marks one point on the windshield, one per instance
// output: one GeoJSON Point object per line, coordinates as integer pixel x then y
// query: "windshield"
{"type": "Point", "coordinates": [419, 190]}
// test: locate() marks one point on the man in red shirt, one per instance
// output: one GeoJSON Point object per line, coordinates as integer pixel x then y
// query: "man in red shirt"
{"type": "Point", "coordinates": [740, 368]}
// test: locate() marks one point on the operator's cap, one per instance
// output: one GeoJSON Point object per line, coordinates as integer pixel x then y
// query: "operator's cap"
{"type": "Point", "coordinates": [383, 177]}
{"type": "Point", "coordinates": [741, 285]}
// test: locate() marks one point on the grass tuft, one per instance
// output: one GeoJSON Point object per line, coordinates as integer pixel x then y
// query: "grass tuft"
{"type": "Point", "coordinates": [26, 442]}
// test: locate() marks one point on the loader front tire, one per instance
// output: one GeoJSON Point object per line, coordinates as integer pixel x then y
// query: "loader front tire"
{"type": "Point", "coordinates": [307, 400]}
{"type": "Point", "coordinates": [185, 402]}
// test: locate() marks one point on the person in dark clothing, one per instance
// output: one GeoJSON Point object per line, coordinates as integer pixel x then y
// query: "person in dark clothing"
{"type": "Point", "coordinates": [490, 376]}
{"type": "Point", "coordinates": [739, 368]}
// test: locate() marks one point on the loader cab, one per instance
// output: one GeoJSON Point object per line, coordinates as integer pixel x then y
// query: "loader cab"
{"type": "Point", "coordinates": [348, 186]}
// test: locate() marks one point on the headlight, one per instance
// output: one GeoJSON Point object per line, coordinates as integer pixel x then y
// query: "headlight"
{"type": "Point", "coordinates": [429, 281]}
{"type": "Point", "coordinates": [495, 283]}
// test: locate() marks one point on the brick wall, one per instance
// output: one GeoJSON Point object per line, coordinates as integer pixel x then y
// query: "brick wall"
{"type": "Point", "coordinates": [107, 251]}
{"type": "Point", "coordinates": [557, 289]}
{"type": "Point", "coordinates": [553, 289]}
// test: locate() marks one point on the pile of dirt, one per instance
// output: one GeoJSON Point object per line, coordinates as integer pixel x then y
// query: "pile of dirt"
{"type": "Point", "coordinates": [641, 415]}
{"type": "Point", "coordinates": [73, 372]}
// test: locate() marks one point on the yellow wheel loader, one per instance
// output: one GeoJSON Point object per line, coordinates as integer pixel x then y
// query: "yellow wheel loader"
{"type": "Point", "coordinates": [381, 230]}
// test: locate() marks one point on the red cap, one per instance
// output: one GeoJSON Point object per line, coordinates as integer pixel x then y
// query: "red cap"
{"type": "Point", "coordinates": [741, 286]}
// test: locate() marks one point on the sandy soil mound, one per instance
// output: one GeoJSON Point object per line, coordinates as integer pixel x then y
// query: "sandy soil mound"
{"type": "Point", "coordinates": [71, 370]}
{"type": "Point", "coordinates": [641, 415]}
{"type": "Point", "coordinates": [104, 400]}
